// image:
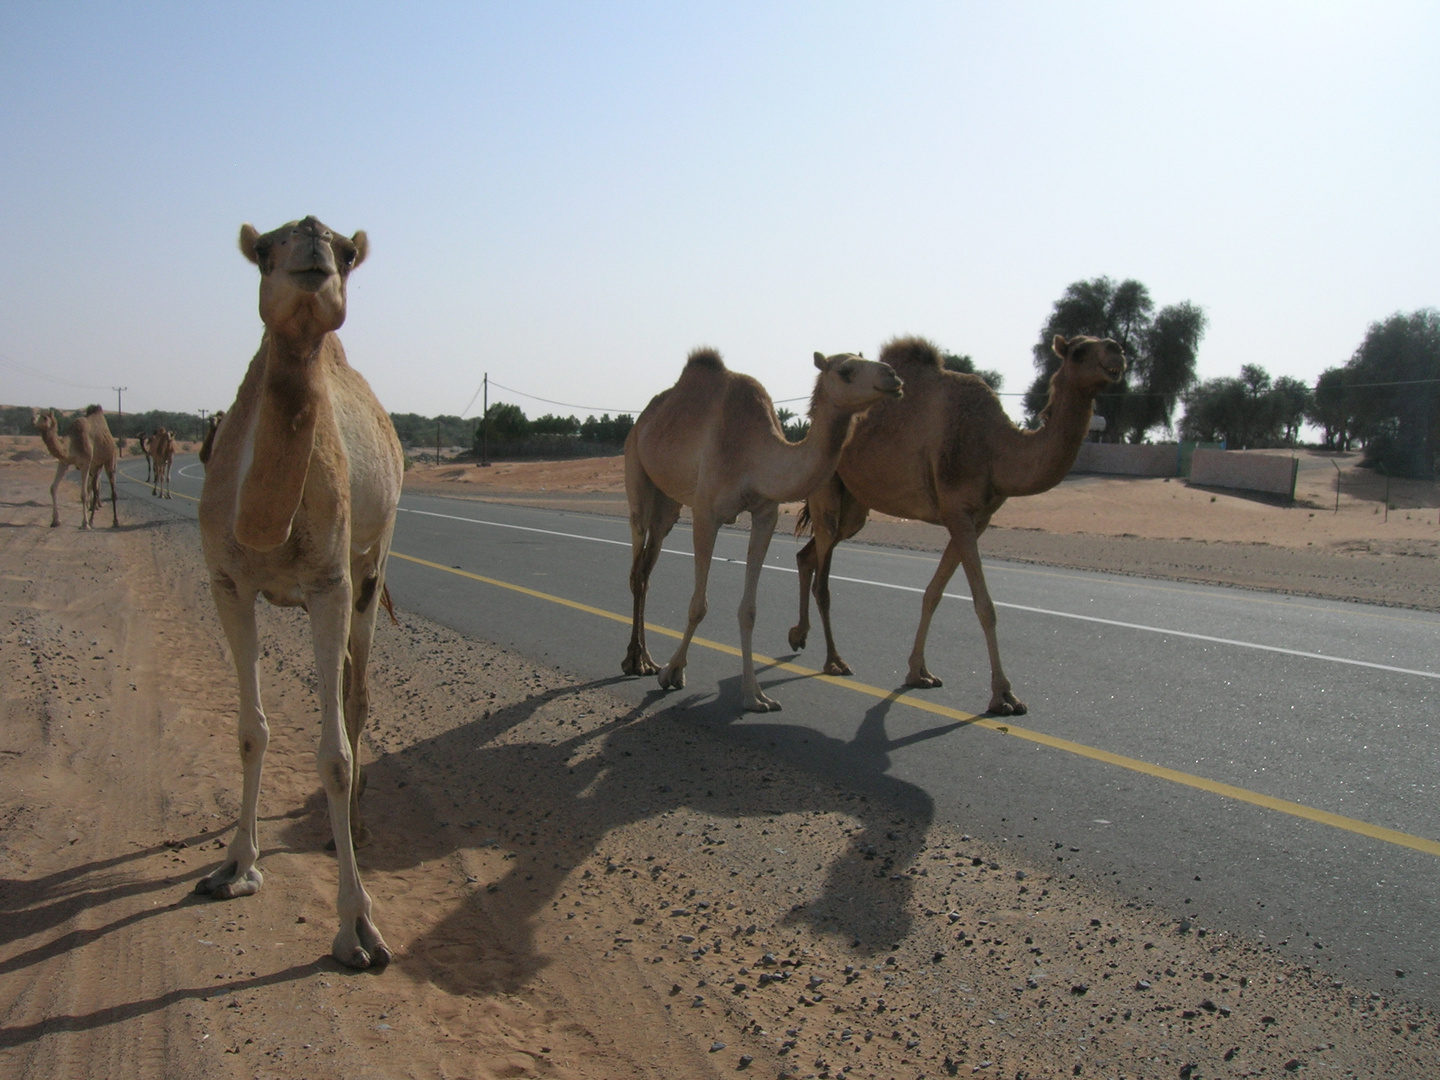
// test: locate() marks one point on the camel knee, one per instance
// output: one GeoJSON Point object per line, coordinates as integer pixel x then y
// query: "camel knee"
{"type": "Point", "coordinates": [337, 772]}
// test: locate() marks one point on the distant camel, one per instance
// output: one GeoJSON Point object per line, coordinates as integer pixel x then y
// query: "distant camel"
{"type": "Point", "coordinates": [299, 506]}
{"type": "Point", "coordinates": [947, 454]}
{"type": "Point", "coordinates": [162, 453]}
{"type": "Point", "coordinates": [90, 448]}
{"type": "Point", "coordinates": [212, 425]}
{"type": "Point", "coordinates": [712, 442]}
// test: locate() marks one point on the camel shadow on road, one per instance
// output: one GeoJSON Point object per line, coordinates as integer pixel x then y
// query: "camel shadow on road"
{"type": "Point", "coordinates": [477, 791]}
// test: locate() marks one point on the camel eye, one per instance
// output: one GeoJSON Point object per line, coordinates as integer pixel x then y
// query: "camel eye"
{"type": "Point", "coordinates": [347, 256]}
{"type": "Point", "coordinates": [846, 372]}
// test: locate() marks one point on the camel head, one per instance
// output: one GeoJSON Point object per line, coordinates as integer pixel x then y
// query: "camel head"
{"type": "Point", "coordinates": [43, 421]}
{"type": "Point", "coordinates": [852, 382]}
{"type": "Point", "coordinates": [304, 267]}
{"type": "Point", "coordinates": [1091, 363]}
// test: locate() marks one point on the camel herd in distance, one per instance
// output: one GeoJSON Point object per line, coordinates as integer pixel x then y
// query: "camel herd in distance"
{"type": "Point", "coordinates": [303, 481]}
{"type": "Point", "coordinates": [90, 449]}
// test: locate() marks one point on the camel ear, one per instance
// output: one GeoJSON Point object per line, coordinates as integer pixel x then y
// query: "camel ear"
{"type": "Point", "coordinates": [1060, 347]}
{"type": "Point", "coordinates": [362, 247]}
{"type": "Point", "coordinates": [820, 360]}
{"type": "Point", "coordinates": [248, 235]}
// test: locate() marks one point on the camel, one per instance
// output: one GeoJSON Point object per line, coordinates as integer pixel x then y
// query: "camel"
{"type": "Point", "coordinates": [712, 442]}
{"type": "Point", "coordinates": [948, 454]}
{"type": "Point", "coordinates": [212, 425]}
{"type": "Point", "coordinates": [299, 506]}
{"type": "Point", "coordinates": [161, 450]}
{"type": "Point", "coordinates": [91, 448]}
{"type": "Point", "coordinates": [146, 441]}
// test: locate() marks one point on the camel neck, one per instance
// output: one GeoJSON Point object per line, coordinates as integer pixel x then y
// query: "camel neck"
{"type": "Point", "coordinates": [1036, 461]}
{"type": "Point", "coordinates": [803, 466]}
{"type": "Point", "coordinates": [51, 440]}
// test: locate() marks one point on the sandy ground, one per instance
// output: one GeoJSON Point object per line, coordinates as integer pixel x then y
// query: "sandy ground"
{"type": "Point", "coordinates": [574, 887]}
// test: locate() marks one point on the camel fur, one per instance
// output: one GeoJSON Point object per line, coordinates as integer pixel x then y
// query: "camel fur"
{"type": "Point", "coordinates": [712, 442]}
{"type": "Point", "coordinates": [946, 453]}
{"type": "Point", "coordinates": [301, 489]}
{"type": "Point", "coordinates": [90, 448]}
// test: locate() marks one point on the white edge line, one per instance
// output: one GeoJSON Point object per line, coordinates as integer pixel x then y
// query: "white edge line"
{"type": "Point", "coordinates": [960, 596]}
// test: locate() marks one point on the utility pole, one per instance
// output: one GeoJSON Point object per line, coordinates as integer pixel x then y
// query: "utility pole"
{"type": "Point", "coordinates": [202, 423]}
{"type": "Point", "coordinates": [485, 424]}
{"type": "Point", "coordinates": [437, 440]}
{"type": "Point", "coordinates": [120, 412]}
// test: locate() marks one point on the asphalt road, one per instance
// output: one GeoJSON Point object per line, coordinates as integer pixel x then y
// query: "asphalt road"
{"type": "Point", "coordinates": [1256, 763]}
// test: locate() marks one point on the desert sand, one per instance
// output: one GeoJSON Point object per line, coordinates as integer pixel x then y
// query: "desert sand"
{"type": "Point", "coordinates": [576, 888]}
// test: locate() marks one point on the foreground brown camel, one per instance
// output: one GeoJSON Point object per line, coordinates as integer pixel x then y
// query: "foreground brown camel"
{"type": "Point", "coordinates": [161, 449]}
{"type": "Point", "coordinates": [712, 442]}
{"type": "Point", "coordinates": [948, 454]}
{"type": "Point", "coordinates": [90, 448]}
{"type": "Point", "coordinates": [299, 505]}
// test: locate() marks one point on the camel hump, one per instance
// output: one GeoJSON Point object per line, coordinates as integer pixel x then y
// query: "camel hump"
{"type": "Point", "coordinates": [93, 409]}
{"type": "Point", "coordinates": [913, 353]}
{"type": "Point", "coordinates": [705, 357]}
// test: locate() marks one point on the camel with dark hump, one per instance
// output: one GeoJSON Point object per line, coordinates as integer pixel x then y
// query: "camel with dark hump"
{"type": "Point", "coordinates": [161, 449]}
{"type": "Point", "coordinates": [947, 454]}
{"type": "Point", "coordinates": [299, 505]}
{"type": "Point", "coordinates": [90, 448]}
{"type": "Point", "coordinates": [712, 442]}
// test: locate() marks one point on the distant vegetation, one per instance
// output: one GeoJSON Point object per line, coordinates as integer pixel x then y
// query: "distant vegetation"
{"type": "Point", "coordinates": [510, 433]}
{"type": "Point", "coordinates": [1384, 399]}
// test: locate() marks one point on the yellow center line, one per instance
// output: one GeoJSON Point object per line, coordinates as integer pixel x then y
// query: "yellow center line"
{"type": "Point", "coordinates": [1174, 776]}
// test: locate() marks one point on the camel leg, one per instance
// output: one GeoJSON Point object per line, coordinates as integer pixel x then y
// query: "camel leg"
{"type": "Point", "coordinates": [672, 675]}
{"type": "Point", "coordinates": [849, 519]}
{"type": "Point", "coordinates": [653, 514]}
{"type": "Point", "coordinates": [357, 687]}
{"type": "Point", "coordinates": [919, 675]}
{"type": "Point", "coordinates": [238, 875]}
{"type": "Point", "coordinates": [1002, 701]}
{"type": "Point", "coordinates": [821, 506]}
{"type": "Point", "coordinates": [762, 527]}
{"type": "Point", "coordinates": [89, 495]}
{"type": "Point", "coordinates": [114, 508]}
{"type": "Point", "coordinates": [806, 563]}
{"type": "Point", "coordinates": [358, 943]}
{"type": "Point", "coordinates": [60, 471]}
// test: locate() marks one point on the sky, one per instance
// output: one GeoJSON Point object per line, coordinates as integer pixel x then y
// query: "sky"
{"type": "Point", "coordinates": [572, 196]}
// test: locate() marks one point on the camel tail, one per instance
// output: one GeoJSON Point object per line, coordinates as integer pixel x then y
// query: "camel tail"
{"type": "Point", "coordinates": [802, 521]}
{"type": "Point", "coordinates": [387, 604]}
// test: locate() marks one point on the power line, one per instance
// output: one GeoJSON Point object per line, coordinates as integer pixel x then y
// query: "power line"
{"type": "Point", "coordinates": [562, 404]}
{"type": "Point", "coordinates": [15, 365]}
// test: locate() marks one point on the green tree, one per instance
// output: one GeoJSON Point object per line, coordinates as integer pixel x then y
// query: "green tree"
{"type": "Point", "coordinates": [506, 423]}
{"type": "Point", "coordinates": [1394, 393]}
{"type": "Point", "coordinates": [963, 363]}
{"type": "Point", "coordinates": [1293, 404]}
{"type": "Point", "coordinates": [555, 425]}
{"type": "Point", "coordinates": [1331, 410]}
{"type": "Point", "coordinates": [1160, 346]}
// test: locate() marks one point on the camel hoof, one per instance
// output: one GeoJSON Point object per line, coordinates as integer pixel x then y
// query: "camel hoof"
{"type": "Point", "coordinates": [1009, 705]}
{"type": "Point", "coordinates": [361, 946]}
{"type": "Point", "coordinates": [227, 884]}
{"type": "Point", "coordinates": [638, 663]}
{"type": "Point", "coordinates": [798, 638]}
{"type": "Point", "coordinates": [762, 704]}
{"type": "Point", "coordinates": [923, 681]}
{"type": "Point", "coordinates": [672, 679]}
{"type": "Point", "coordinates": [837, 667]}
{"type": "Point", "coordinates": [54, 524]}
